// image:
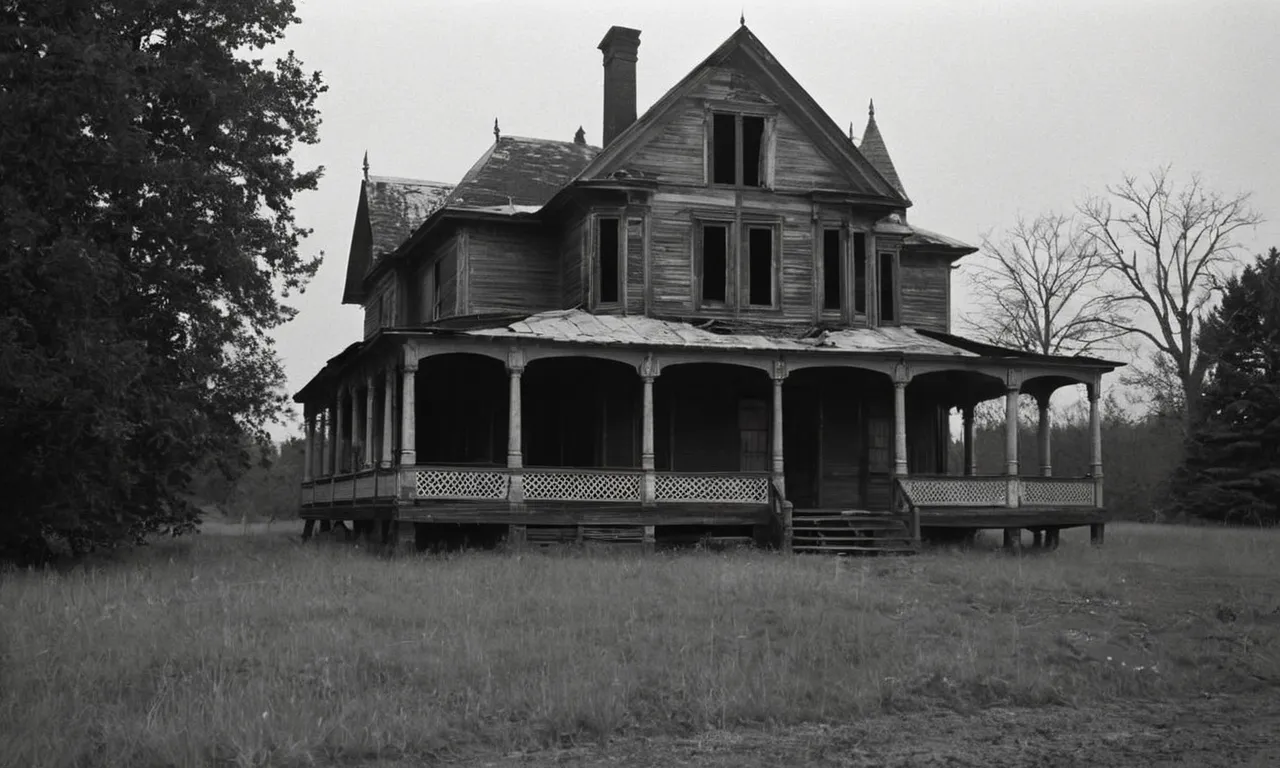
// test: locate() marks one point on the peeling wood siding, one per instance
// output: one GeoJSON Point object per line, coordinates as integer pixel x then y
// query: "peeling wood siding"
{"type": "Point", "coordinates": [381, 309]}
{"type": "Point", "coordinates": [448, 279]}
{"type": "Point", "coordinates": [511, 268]}
{"type": "Point", "coordinates": [635, 263]}
{"type": "Point", "coordinates": [571, 265]}
{"type": "Point", "coordinates": [925, 284]}
{"type": "Point", "coordinates": [799, 164]}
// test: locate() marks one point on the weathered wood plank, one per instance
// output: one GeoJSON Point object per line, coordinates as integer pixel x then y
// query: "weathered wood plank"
{"type": "Point", "coordinates": [925, 285]}
{"type": "Point", "coordinates": [511, 267]}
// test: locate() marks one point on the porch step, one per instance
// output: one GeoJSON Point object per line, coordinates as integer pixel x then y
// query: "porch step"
{"type": "Point", "coordinates": [841, 531]}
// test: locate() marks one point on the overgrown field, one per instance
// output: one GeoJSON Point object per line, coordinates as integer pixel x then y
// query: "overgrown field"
{"type": "Point", "coordinates": [259, 650]}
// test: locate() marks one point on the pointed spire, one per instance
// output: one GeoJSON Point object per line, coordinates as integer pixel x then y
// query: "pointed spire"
{"type": "Point", "coordinates": [850, 131]}
{"type": "Point", "coordinates": [742, 18]}
{"type": "Point", "coordinates": [497, 134]}
{"type": "Point", "coordinates": [580, 137]}
{"type": "Point", "coordinates": [366, 165]}
{"type": "Point", "coordinates": [873, 148]}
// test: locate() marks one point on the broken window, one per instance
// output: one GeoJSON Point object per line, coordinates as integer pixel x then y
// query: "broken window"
{"type": "Point", "coordinates": [715, 262]}
{"type": "Point", "coordinates": [831, 272]}
{"type": "Point", "coordinates": [737, 149]}
{"type": "Point", "coordinates": [760, 266]}
{"type": "Point", "coordinates": [607, 257]}
{"type": "Point", "coordinates": [888, 296]}
{"type": "Point", "coordinates": [860, 273]}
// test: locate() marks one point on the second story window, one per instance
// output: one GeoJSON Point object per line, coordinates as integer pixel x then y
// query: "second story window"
{"type": "Point", "coordinates": [714, 252]}
{"type": "Point", "coordinates": [859, 273]}
{"type": "Point", "coordinates": [608, 258]}
{"type": "Point", "coordinates": [832, 274]}
{"type": "Point", "coordinates": [886, 276]}
{"type": "Point", "coordinates": [760, 266]}
{"type": "Point", "coordinates": [739, 150]}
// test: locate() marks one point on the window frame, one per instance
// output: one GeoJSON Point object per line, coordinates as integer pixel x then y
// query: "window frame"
{"type": "Point", "coordinates": [592, 261]}
{"type": "Point", "coordinates": [700, 222]}
{"type": "Point", "coordinates": [743, 255]}
{"type": "Point", "coordinates": [768, 140]}
{"type": "Point", "coordinates": [895, 285]}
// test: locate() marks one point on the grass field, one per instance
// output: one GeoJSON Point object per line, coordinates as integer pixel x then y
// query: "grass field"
{"type": "Point", "coordinates": [259, 650]}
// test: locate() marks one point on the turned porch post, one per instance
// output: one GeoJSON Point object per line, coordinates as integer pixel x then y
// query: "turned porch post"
{"type": "Point", "coordinates": [1045, 435]}
{"type": "Point", "coordinates": [649, 370]}
{"type": "Point", "coordinates": [901, 377]}
{"type": "Point", "coordinates": [777, 466]}
{"type": "Point", "coordinates": [331, 439]}
{"type": "Point", "coordinates": [515, 443]}
{"type": "Point", "coordinates": [1013, 383]}
{"type": "Point", "coordinates": [970, 454]}
{"type": "Point", "coordinates": [309, 434]}
{"type": "Point", "coordinates": [1095, 434]}
{"type": "Point", "coordinates": [408, 433]}
{"type": "Point", "coordinates": [388, 410]}
{"type": "Point", "coordinates": [368, 421]}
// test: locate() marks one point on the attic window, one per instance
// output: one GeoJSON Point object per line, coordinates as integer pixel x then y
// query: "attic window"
{"type": "Point", "coordinates": [607, 256]}
{"type": "Point", "coordinates": [737, 149]}
{"type": "Point", "coordinates": [860, 273]}
{"type": "Point", "coordinates": [715, 262]}
{"type": "Point", "coordinates": [831, 282]}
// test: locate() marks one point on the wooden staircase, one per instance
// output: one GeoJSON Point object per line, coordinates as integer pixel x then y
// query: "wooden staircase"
{"type": "Point", "coordinates": [849, 532]}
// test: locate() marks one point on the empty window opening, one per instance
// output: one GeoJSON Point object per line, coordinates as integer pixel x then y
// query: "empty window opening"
{"type": "Point", "coordinates": [724, 149]}
{"type": "Point", "coordinates": [437, 295]}
{"type": "Point", "coordinates": [760, 266]}
{"type": "Point", "coordinates": [752, 135]}
{"type": "Point", "coordinates": [860, 273]}
{"type": "Point", "coordinates": [607, 256]}
{"type": "Point", "coordinates": [888, 307]}
{"type": "Point", "coordinates": [831, 281]}
{"type": "Point", "coordinates": [715, 252]}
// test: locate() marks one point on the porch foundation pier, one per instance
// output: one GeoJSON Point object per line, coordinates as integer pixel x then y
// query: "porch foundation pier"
{"type": "Point", "coordinates": [368, 422]}
{"type": "Point", "coordinates": [309, 434]}
{"type": "Point", "coordinates": [1045, 436]}
{"type": "Point", "coordinates": [970, 455]}
{"type": "Point", "coordinates": [515, 455]}
{"type": "Point", "coordinates": [777, 465]}
{"type": "Point", "coordinates": [388, 409]}
{"type": "Point", "coordinates": [408, 434]}
{"type": "Point", "coordinates": [1013, 539]}
{"type": "Point", "coordinates": [649, 370]}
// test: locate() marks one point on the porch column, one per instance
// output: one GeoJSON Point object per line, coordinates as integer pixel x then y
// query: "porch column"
{"type": "Point", "coordinates": [1013, 383]}
{"type": "Point", "coordinates": [901, 377]}
{"type": "Point", "coordinates": [331, 444]}
{"type": "Point", "coordinates": [368, 421]}
{"type": "Point", "coordinates": [340, 443]}
{"type": "Point", "coordinates": [388, 410]}
{"type": "Point", "coordinates": [777, 466]}
{"type": "Point", "coordinates": [649, 370]}
{"type": "Point", "coordinates": [308, 435]}
{"type": "Point", "coordinates": [322, 446]}
{"type": "Point", "coordinates": [408, 437]}
{"type": "Point", "coordinates": [515, 452]}
{"type": "Point", "coordinates": [970, 454]}
{"type": "Point", "coordinates": [1045, 435]}
{"type": "Point", "coordinates": [1095, 433]}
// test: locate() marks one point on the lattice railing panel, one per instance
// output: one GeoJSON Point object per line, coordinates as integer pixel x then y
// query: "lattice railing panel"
{"type": "Point", "coordinates": [956, 492]}
{"type": "Point", "coordinates": [364, 487]}
{"type": "Point", "coordinates": [460, 484]}
{"type": "Point", "coordinates": [581, 486]}
{"type": "Point", "coordinates": [744, 489]}
{"type": "Point", "coordinates": [342, 489]}
{"type": "Point", "coordinates": [1064, 493]}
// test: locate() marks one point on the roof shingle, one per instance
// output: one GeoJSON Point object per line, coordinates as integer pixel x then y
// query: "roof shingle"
{"type": "Point", "coordinates": [518, 171]}
{"type": "Point", "coordinates": [397, 206]}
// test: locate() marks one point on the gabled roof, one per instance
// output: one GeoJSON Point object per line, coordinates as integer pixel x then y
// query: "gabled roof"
{"type": "Point", "coordinates": [873, 148]}
{"type": "Point", "coordinates": [784, 88]}
{"type": "Point", "coordinates": [519, 171]}
{"type": "Point", "coordinates": [925, 240]}
{"type": "Point", "coordinates": [390, 209]}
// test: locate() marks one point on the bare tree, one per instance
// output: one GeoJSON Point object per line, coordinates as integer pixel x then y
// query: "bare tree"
{"type": "Point", "coordinates": [1169, 247]}
{"type": "Point", "coordinates": [1038, 289]}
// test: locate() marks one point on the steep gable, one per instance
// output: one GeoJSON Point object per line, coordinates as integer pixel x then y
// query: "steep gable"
{"type": "Point", "coordinates": [390, 208]}
{"type": "Point", "coordinates": [741, 71]}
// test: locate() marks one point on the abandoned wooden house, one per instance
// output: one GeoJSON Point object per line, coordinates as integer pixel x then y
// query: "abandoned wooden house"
{"type": "Point", "coordinates": [718, 323]}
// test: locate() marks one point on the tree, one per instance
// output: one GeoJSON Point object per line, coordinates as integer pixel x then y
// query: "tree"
{"type": "Point", "coordinates": [1038, 289]}
{"type": "Point", "coordinates": [1232, 469]}
{"type": "Point", "coordinates": [147, 240]}
{"type": "Point", "coordinates": [1168, 248]}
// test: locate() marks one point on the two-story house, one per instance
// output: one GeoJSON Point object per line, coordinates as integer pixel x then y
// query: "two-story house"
{"type": "Point", "coordinates": [719, 322]}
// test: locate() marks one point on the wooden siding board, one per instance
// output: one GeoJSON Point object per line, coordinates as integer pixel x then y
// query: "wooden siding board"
{"type": "Point", "coordinates": [635, 265]}
{"type": "Point", "coordinates": [925, 286]}
{"type": "Point", "coordinates": [511, 268]}
{"type": "Point", "coordinates": [571, 264]}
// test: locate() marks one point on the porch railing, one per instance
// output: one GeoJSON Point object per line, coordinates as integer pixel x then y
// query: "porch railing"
{"type": "Point", "coordinates": [997, 491]}
{"type": "Point", "coordinates": [726, 487]}
{"type": "Point", "coordinates": [367, 484]}
{"type": "Point", "coordinates": [582, 484]}
{"type": "Point", "coordinates": [465, 483]}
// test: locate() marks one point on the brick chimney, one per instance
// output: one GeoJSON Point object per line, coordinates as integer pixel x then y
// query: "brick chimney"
{"type": "Point", "coordinates": [619, 46]}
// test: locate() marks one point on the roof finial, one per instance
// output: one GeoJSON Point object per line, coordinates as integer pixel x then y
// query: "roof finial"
{"type": "Point", "coordinates": [871, 108]}
{"type": "Point", "coordinates": [366, 165]}
{"type": "Point", "coordinates": [850, 130]}
{"type": "Point", "coordinates": [742, 18]}
{"type": "Point", "coordinates": [580, 137]}
{"type": "Point", "coordinates": [497, 134]}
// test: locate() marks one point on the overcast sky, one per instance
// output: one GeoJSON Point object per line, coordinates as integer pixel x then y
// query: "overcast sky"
{"type": "Point", "coordinates": [989, 109]}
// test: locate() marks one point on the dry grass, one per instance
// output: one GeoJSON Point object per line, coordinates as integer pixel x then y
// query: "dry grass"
{"type": "Point", "coordinates": [256, 650]}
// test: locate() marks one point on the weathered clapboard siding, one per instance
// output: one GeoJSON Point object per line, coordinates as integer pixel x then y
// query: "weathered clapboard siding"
{"type": "Point", "coordinates": [512, 267]}
{"type": "Point", "coordinates": [571, 265]}
{"type": "Point", "coordinates": [381, 310]}
{"type": "Point", "coordinates": [925, 282]}
{"type": "Point", "coordinates": [799, 165]}
{"type": "Point", "coordinates": [635, 262]}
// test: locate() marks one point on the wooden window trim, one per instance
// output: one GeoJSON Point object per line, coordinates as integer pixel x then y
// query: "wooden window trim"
{"type": "Point", "coordinates": [895, 286]}
{"type": "Point", "coordinates": [746, 223]}
{"type": "Point", "coordinates": [593, 247]}
{"type": "Point", "coordinates": [768, 140]}
{"type": "Point", "coordinates": [701, 220]}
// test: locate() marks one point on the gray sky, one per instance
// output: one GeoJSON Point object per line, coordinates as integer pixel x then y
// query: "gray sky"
{"type": "Point", "coordinates": [989, 109]}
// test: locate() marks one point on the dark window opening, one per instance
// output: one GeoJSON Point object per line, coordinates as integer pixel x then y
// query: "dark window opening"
{"type": "Point", "coordinates": [752, 135]}
{"type": "Point", "coordinates": [831, 281]}
{"type": "Point", "coordinates": [724, 151]}
{"type": "Point", "coordinates": [715, 253]}
{"type": "Point", "coordinates": [860, 273]}
{"type": "Point", "coordinates": [437, 295]}
{"type": "Point", "coordinates": [760, 266]}
{"type": "Point", "coordinates": [607, 256]}
{"type": "Point", "coordinates": [888, 307]}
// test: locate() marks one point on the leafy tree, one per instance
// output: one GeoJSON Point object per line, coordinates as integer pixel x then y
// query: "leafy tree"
{"type": "Point", "coordinates": [1232, 469]}
{"type": "Point", "coordinates": [147, 239]}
